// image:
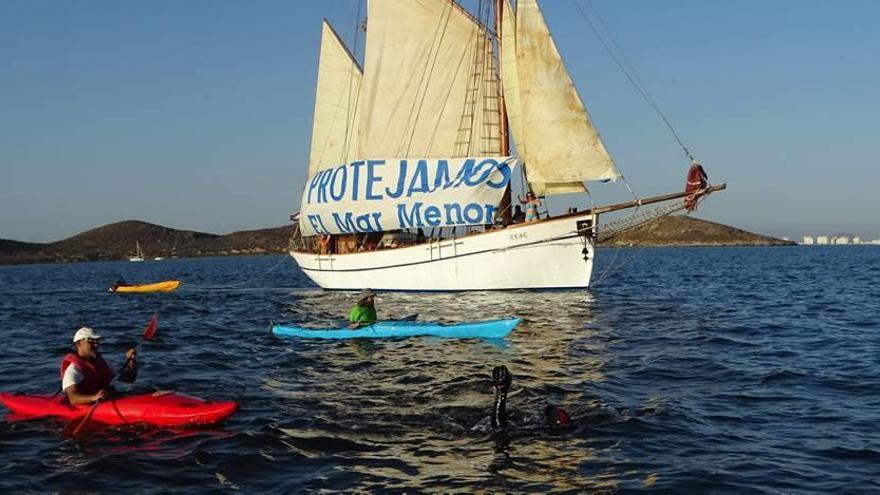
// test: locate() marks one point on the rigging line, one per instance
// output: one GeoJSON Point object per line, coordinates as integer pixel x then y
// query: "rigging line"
{"type": "Point", "coordinates": [352, 110]}
{"type": "Point", "coordinates": [464, 54]}
{"type": "Point", "coordinates": [590, 197]}
{"type": "Point", "coordinates": [349, 113]}
{"type": "Point", "coordinates": [609, 271]}
{"type": "Point", "coordinates": [487, 85]}
{"type": "Point", "coordinates": [478, 60]}
{"type": "Point", "coordinates": [642, 91]}
{"type": "Point", "coordinates": [357, 30]}
{"type": "Point", "coordinates": [631, 193]}
{"type": "Point", "coordinates": [473, 77]}
{"type": "Point", "coordinates": [619, 51]}
{"type": "Point", "coordinates": [284, 258]}
{"type": "Point", "coordinates": [411, 85]}
{"type": "Point", "coordinates": [430, 63]}
{"type": "Point", "coordinates": [607, 268]}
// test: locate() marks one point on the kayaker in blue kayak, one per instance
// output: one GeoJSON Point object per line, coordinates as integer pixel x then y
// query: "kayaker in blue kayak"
{"type": "Point", "coordinates": [85, 376]}
{"type": "Point", "coordinates": [364, 312]}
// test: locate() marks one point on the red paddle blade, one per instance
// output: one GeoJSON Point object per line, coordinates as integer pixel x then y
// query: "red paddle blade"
{"type": "Point", "coordinates": [150, 331]}
{"type": "Point", "coordinates": [74, 427]}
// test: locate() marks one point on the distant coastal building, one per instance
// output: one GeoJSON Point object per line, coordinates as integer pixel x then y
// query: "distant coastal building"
{"type": "Point", "coordinates": [836, 240]}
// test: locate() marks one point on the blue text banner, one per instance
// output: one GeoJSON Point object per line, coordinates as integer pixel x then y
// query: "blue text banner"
{"type": "Point", "coordinates": [404, 193]}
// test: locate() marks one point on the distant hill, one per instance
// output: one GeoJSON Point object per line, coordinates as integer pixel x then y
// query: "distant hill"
{"type": "Point", "coordinates": [116, 241]}
{"type": "Point", "coordinates": [681, 230]}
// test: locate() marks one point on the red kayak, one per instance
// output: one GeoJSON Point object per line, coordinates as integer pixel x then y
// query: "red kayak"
{"type": "Point", "coordinates": [167, 409]}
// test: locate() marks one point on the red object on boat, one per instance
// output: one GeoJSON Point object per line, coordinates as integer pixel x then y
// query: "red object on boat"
{"type": "Point", "coordinates": [697, 179]}
{"type": "Point", "coordinates": [169, 409]}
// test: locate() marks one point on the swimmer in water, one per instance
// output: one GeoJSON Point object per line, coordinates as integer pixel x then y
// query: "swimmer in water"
{"type": "Point", "coordinates": [555, 417]}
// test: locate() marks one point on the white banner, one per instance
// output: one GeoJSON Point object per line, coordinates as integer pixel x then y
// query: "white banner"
{"type": "Point", "coordinates": [404, 193]}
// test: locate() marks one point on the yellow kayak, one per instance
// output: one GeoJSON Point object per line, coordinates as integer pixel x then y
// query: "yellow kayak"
{"type": "Point", "coordinates": [166, 286]}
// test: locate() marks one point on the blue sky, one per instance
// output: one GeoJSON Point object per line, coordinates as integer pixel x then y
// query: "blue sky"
{"type": "Point", "coordinates": [197, 114]}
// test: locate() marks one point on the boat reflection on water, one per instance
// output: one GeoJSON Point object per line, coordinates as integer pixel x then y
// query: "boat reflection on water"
{"type": "Point", "coordinates": [420, 407]}
{"type": "Point", "coordinates": [147, 440]}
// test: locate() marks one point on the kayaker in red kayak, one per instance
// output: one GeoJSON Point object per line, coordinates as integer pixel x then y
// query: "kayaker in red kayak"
{"type": "Point", "coordinates": [85, 376]}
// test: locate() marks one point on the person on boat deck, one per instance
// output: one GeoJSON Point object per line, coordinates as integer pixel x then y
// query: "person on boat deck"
{"type": "Point", "coordinates": [519, 216]}
{"type": "Point", "coordinates": [324, 244]}
{"type": "Point", "coordinates": [364, 312]}
{"type": "Point", "coordinates": [531, 203]}
{"type": "Point", "coordinates": [85, 376]}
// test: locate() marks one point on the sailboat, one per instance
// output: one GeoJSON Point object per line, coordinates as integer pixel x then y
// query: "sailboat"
{"type": "Point", "coordinates": [410, 171]}
{"type": "Point", "coordinates": [139, 255]}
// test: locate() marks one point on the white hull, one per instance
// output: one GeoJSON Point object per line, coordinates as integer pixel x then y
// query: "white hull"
{"type": "Point", "coordinates": [541, 255]}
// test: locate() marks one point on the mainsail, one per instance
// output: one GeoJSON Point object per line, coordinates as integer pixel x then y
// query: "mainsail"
{"type": "Point", "coordinates": [429, 88]}
{"type": "Point", "coordinates": [419, 131]}
{"type": "Point", "coordinates": [335, 122]}
{"type": "Point", "coordinates": [551, 128]}
{"type": "Point", "coordinates": [429, 94]}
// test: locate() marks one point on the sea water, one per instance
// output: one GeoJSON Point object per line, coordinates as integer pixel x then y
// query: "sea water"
{"type": "Point", "coordinates": [692, 370]}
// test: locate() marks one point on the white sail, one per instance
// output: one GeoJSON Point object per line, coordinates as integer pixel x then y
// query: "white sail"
{"type": "Point", "coordinates": [560, 146]}
{"type": "Point", "coordinates": [429, 97]}
{"type": "Point", "coordinates": [139, 255]}
{"type": "Point", "coordinates": [334, 127]}
{"type": "Point", "coordinates": [510, 79]}
{"type": "Point", "coordinates": [426, 92]}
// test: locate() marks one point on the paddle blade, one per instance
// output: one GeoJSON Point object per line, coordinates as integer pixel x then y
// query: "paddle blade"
{"type": "Point", "coordinates": [72, 427]}
{"type": "Point", "coordinates": [150, 331]}
{"type": "Point", "coordinates": [75, 425]}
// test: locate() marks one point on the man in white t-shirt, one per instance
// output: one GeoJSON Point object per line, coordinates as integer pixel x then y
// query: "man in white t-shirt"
{"type": "Point", "coordinates": [85, 376]}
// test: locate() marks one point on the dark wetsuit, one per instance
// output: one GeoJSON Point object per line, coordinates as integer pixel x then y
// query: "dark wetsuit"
{"type": "Point", "coordinates": [554, 416]}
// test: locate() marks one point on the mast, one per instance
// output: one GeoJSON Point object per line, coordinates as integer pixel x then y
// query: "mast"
{"type": "Point", "coordinates": [504, 206]}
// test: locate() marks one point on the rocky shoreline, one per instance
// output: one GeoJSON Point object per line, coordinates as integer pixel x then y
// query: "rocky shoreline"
{"type": "Point", "coordinates": [682, 230]}
{"type": "Point", "coordinates": [116, 241]}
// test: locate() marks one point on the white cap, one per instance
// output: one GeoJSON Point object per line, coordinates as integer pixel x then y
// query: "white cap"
{"type": "Point", "coordinates": [85, 333]}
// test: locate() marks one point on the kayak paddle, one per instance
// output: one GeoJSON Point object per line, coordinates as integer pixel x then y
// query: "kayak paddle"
{"type": "Point", "coordinates": [149, 333]}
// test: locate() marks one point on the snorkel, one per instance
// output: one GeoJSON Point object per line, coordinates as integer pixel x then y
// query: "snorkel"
{"type": "Point", "coordinates": [501, 380]}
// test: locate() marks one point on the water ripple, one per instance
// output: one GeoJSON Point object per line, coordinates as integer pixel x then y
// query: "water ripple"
{"type": "Point", "coordinates": [694, 370]}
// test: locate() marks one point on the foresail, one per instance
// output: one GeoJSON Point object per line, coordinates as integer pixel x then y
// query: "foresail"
{"type": "Point", "coordinates": [562, 148]}
{"type": "Point", "coordinates": [334, 126]}
{"type": "Point", "coordinates": [427, 91]}
{"type": "Point", "coordinates": [510, 79]}
{"type": "Point", "coordinates": [391, 194]}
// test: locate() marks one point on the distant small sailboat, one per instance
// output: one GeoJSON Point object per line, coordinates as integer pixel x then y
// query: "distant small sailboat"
{"type": "Point", "coordinates": [139, 256]}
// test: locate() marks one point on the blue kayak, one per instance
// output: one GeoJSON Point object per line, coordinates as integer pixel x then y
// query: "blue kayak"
{"type": "Point", "coordinates": [491, 329]}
